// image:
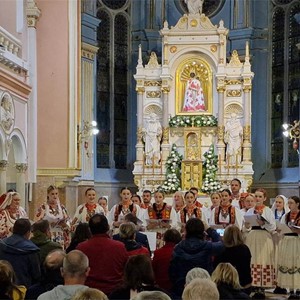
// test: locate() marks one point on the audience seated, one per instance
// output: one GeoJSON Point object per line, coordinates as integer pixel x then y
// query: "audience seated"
{"type": "Point", "coordinates": [82, 233]}
{"type": "Point", "coordinates": [42, 238]}
{"type": "Point", "coordinates": [139, 236]}
{"type": "Point", "coordinates": [22, 253]}
{"type": "Point", "coordinates": [196, 273]}
{"type": "Point", "coordinates": [238, 254]}
{"type": "Point", "coordinates": [107, 257]}
{"type": "Point", "coordinates": [200, 289]}
{"type": "Point", "coordinates": [138, 276]}
{"type": "Point", "coordinates": [151, 295]}
{"type": "Point", "coordinates": [74, 271]}
{"type": "Point", "coordinates": [193, 252]}
{"type": "Point", "coordinates": [8, 287]}
{"type": "Point", "coordinates": [51, 276]}
{"type": "Point", "coordinates": [226, 278]}
{"type": "Point", "coordinates": [162, 257]}
{"type": "Point", "coordinates": [127, 234]}
{"type": "Point", "coordinates": [89, 294]}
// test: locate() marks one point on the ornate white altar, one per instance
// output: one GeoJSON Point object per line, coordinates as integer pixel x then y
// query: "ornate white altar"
{"type": "Point", "coordinates": [195, 49]}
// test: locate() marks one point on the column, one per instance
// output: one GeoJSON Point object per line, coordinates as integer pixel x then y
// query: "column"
{"type": "Point", "coordinates": [165, 124]}
{"type": "Point", "coordinates": [88, 75]}
{"type": "Point", "coordinates": [247, 127]}
{"type": "Point", "coordinates": [20, 184]}
{"type": "Point", "coordinates": [3, 168]}
{"type": "Point", "coordinates": [33, 14]}
{"type": "Point", "coordinates": [220, 144]}
{"type": "Point", "coordinates": [139, 142]}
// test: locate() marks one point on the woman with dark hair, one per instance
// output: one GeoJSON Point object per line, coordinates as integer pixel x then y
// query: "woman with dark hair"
{"type": "Point", "coordinates": [238, 254]}
{"type": "Point", "coordinates": [289, 249]}
{"type": "Point", "coordinates": [226, 214]}
{"type": "Point", "coordinates": [8, 288]}
{"type": "Point", "coordinates": [91, 207]}
{"type": "Point", "coordinates": [138, 277]}
{"type": "Point", "coordinates": [162, 257]}
{"type": "Point", "coordinates": [260, 242]}
{"type": "Point", "coordinates": [81, 234]}
{"type": "Point", "coordinates": [194, 251]}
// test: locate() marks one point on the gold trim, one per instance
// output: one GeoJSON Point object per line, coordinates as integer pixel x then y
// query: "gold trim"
{"type": "Point", "coordinates": [213, 48]}
{"type": "Point", "coordinates": [194, 23]}
{"type": "Point", "coordinates": [152, 83]}
{"type": "Point", "coordinates": [153, 94]}
{"type": "Point", "coordinates": [173, 49]}
{"type": "Point", "coordinates": [59, 172]}
{"type": "Point", "coordinates": [233, 93]}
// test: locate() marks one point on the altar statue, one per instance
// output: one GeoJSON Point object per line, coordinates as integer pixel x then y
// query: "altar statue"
{"type": "Point", "coordinates": [194, 6]}
{"type": "Point", "coordinates": [152, 135]}
{"type": "Point", "coordinates": [233, 138]}
{"type": "Point", "coordinates": [193, 97]}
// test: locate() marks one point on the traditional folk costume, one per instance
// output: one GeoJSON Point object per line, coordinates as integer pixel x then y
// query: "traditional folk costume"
{"type": "Point", "coordinates": [85, 211]}
{"type": "Point", "coordinates": [225, 215]}
{"type": "Point", "coordinates": [8, 217]}
{"type": "Point", "coordinates": [288, 255]}
{"type": "Point", "coordinates": [259, 240]}
{"type": "Point", "coordinates": [278, 216]}
{"type": "Point", "coordinates": [167, 212]}
{"type": "Point", "coordinates": [194, 211]}
{"type": "Point", "coordinates": [59, 220]}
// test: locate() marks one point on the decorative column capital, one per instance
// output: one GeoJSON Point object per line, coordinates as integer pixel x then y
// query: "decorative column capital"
{"type": "Point", "coordinates": [88, 51]}
{"type": "Point", "coordinates": [165, 89]}
{"type": "Point", "coordinates": [3, 165]}
{"type": "Point", "coordinates": [33, 13]}
{"type": "Point", "coordinates": [140, 90]}
{"type": "Point", "coordinates": [21, 168]}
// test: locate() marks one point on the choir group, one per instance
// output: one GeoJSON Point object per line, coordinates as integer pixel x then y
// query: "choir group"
{"type": "Point", "coordinates": [271, 234]}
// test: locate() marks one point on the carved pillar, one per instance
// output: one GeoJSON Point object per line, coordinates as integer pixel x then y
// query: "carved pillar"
{"type": "Point", "coordinates": [20, 184]}
{"type": "Point", "coordinates": [88, 75]}
{"type": "Point", "coordinates": [220, 144]}
{"type": "Point", "coordinates": [33, 14]}
{"type": "Point", "coordinates": [247, 128]}
{"type": "Point", "coordinates": [3, 168]}
{"type": "Point", "coordinates": [165, 123]}
{"type": "Point", "coordinates": [139, 144]}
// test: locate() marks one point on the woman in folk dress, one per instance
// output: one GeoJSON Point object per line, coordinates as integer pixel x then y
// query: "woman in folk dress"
{"type": "Point", "coordinates": [226, 214]}
{"type": "Point", "coordinates": [57, 215]}
{"type": "Point", "coordinates": [10, 211]}
{"type": "Point", "coordinates": [160, 211]}
{"type": "Point", "coordinates": [259, 240]}
{"type": "Point", "coordinates": [91, 207]}
{"type": "Point", "coordinates": [289, 249]}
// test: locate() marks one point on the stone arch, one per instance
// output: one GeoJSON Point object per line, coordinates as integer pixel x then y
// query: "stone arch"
{"type": "Point", "coordinates": [19, 146]}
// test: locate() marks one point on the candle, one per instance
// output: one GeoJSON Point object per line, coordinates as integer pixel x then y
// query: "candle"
{"type": "Point", "coordinates": [236, 163]}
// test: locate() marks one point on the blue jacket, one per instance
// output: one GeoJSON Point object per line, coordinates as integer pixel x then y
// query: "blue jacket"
{"type": "Point", "coordinates": [140, 237]}
{"type": "Point", "coordinates": [24, 257]}
{"type": "Point", "coordinates": [193, 253]}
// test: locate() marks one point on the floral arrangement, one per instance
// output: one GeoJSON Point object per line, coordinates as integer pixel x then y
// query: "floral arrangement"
{"type": "Point", "coordinates": [210, 166]}
{"type": "Point", "coordinates": [173, 171]}
{"type": "Point", "coordinates": [196, 121]}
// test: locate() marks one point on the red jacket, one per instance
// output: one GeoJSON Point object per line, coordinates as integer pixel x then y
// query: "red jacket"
{"type": "Point", "coordinates": [107, 259]}
{"type": "Point", "coordinates": [161, 263]}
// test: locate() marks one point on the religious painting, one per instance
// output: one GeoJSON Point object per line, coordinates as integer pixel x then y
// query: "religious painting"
{"type": "Point", "coordinates": [194, 87]}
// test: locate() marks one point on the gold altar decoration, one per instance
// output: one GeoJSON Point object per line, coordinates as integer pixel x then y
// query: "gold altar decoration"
{"type": "Point", "coordinates": [191, 166]}
{"type": "Point", "coordinates": [203, 73]}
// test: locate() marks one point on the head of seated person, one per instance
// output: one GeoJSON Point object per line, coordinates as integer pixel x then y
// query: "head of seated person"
{"type": "Point", "coordinates": [127, 231]}
{"type": "Point", "coordinates": [201, 289]}
{"type": "Point", "coordinates": [98, 224]}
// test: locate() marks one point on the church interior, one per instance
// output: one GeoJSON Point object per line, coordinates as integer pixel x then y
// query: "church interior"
{"type": "Point", "coordinates": [145, 94]}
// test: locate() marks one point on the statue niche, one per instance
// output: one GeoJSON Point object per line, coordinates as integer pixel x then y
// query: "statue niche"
{"type": "Point", "coordinates": [194, 87]}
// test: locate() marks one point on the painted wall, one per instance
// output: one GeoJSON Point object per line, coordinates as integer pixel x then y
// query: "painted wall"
{"type": "Point", "coordinates": [8, 16]}
{"type": "Point", "coordinates": [52, 63]}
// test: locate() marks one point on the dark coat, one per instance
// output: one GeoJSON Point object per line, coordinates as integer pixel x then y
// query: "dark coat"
{"type": "Point", "coordinates": [41, 240]}
{"type": "Point", "coordinates": [24, 257]}
{"type": "Point", "coordinates": [193, 253]}
{"type": "Point", "coordinates": [226, 291]}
